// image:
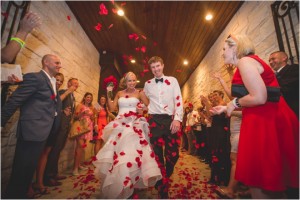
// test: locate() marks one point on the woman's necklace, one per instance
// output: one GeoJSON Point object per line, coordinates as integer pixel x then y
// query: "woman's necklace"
{"type": "Point", "coordinates": [130, 92]}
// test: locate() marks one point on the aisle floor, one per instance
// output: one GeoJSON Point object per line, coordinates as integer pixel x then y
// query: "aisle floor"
{"type": "Point", "coordinates": [189, 181]}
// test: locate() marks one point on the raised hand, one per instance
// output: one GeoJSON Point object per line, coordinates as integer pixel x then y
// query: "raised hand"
{"type": "Point", "coordinates": [110, 88]}
{"type": "Point", "coordinates": [217, 110]}
{"type": "Point", "coordinates": [30, 21]}
{"type": "Point", "coordinates": [217, 75]}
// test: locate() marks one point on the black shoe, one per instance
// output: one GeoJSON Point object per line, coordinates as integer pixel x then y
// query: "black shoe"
{"type": "Point", "coordinates": [163, 195]}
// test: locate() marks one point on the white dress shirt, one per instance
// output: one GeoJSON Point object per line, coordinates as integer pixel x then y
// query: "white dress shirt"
{"type": "Point", "coordinates": [165, 97]}
{"type": "Point", "coordinates": [52, 81]}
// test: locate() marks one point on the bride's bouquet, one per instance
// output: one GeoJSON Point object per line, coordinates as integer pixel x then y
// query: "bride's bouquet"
{"type": "Point", "coordinates": [110, 81]}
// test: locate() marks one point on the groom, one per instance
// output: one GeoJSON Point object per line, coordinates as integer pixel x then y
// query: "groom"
{"type": "Point", "coordinates": [165, 115]}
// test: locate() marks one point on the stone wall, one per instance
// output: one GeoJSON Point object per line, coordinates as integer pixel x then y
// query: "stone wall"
{"type": "Point", "coordinates": [254, 19]}
{"type": "Point", "coordinates": [65, 38]}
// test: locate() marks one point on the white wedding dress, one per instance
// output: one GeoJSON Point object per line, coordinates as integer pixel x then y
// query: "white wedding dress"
{"type": "Point", "coordinates": [126, 161]}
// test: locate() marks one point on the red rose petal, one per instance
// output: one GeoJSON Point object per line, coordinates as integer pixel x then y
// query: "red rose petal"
{"type": "Point", "coordinates": [68, 17]}
{"type": "Point", "coordinates": [110, 26]}
{"type": "Point", "coordinates": [129, 164]}
{"type": "Point", "coordinates": [98, 27]}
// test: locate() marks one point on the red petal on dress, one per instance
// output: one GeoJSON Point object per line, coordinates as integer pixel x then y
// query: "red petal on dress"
{"type": "Point", "coordinates": [129, 164]}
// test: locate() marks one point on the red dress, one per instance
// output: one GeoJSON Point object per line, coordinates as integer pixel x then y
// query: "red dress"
{"type": "Point", "coordinates": [268, 156]}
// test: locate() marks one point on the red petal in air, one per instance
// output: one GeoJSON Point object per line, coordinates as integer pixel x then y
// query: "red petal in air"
{"type": "Point", "coordinates": [68, 17]}
{"type": "Point", "coordinates": [98, 27]}
{"type": "Point", "coordinates": [110, 26]}
{"type": "Point", "coordinates": [144, 37]}
{"type": "Point", "coordinates": [143, 49]}
{"type": "Point", "coordinates": [114, 10]}
{"type": "Point", "coordinates": [103, 10]}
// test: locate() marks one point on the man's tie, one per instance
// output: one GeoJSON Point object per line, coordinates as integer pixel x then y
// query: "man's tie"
{"type": "Point", "coordinates": [159, 79]}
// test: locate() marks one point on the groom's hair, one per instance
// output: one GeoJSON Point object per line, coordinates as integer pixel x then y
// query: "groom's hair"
{"type": "Point", "coordinates": [155, 59]}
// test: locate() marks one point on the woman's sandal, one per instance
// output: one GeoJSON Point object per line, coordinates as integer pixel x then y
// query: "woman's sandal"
{"type": "Point", "coordinates": [223, 194]}
{"type": "Point", "coordinates": [40, 190]}
{"type": "Point", "coordinates": [245, 194]}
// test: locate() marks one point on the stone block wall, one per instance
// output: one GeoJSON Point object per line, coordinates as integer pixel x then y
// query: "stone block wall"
{"type": "Point", "coordinates": [65, 38]}
{"type": "Point", "coordinates": [254, 19]}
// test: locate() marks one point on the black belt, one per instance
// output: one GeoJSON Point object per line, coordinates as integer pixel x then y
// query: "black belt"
{"type": "Point", "coordinates": [160, 115]}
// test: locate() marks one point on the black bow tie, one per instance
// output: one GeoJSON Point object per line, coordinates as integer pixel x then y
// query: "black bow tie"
{"type": "Point", "coordinates": [159, 79]}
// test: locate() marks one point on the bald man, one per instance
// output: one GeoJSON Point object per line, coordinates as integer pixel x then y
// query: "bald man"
{"type": "Point", "coordinates": [40, 108]}
{"type": "Point", "coordinates": [288, 78]}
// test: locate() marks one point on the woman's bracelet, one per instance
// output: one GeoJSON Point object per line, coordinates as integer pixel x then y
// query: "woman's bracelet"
{"type": "Point", "coordinates": [18, 40]}
{"type": "Point", "coordinates": [236, 103]}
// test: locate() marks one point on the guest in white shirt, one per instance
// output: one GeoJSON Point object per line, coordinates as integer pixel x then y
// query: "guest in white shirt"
{"type": "Point", "coordinates": [190, 122]}
{"type": "Point", "coordinates": [165, 115]}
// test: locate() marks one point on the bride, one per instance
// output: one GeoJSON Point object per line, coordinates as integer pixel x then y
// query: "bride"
{"type": "Point", "coordinates": [126, 161]}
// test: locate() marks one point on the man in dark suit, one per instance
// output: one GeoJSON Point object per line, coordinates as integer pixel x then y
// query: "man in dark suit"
{"type": "Point", "coordinates": [40, 107]}
{"type": "Point", "coordinates": [288, 78]}
{"type": "Point", "coordinates": [51, 172]}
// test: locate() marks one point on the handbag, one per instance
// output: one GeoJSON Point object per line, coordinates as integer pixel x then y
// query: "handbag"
{"type": "Point", "coordinates": [78, 128]}
{"type": "Point", "coordinates": [239, 90]}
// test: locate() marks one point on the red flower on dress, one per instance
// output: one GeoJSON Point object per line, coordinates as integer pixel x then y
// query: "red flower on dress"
{"type": "Point", "coordinates": [129, 164]}
{"type": "Point", "coordinates": [149, 81]}
{"type": "Point", "coordinates": [122, 153]}
{"type": "Point", "coordinates": [226, 128]}
{"type": "Point", "coordinates": [68, 17]}
{"type": "Point", "coordinates": [178, 97]}
{"type": "Point", "coordinates": [167, 82]}
{"type": "Point", "coordinates": [178, 104]}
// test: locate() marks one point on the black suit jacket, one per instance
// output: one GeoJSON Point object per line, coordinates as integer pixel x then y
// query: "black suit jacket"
{"type": "Point", "coordinates": [38, 105]}
{"type": "Point", "coordinates": [288, 79]}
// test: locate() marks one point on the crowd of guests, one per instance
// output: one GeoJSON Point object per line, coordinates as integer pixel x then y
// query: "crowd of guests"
{"type": "Point", "coordinates": [236, 138]}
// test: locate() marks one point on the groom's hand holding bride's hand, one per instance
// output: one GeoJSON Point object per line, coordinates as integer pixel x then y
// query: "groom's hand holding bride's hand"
{"type": "Point", "coordinates": [175, 126]}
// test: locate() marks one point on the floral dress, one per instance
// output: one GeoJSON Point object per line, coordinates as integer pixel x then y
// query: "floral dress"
{"type": "Point", "coordinates": [88, 116]}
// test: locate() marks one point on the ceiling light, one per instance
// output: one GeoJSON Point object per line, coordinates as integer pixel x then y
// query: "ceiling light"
{"type": "Point", "coordinates": [185, 62]}
{"type": "Point", "coordinates": [208, 17]}
{"type": "Point", "coordinates": [120, 12]}
{"type": "Point", "coordinates": [132, 61]}
{"type": "Point", "coordinates": [138, 81]}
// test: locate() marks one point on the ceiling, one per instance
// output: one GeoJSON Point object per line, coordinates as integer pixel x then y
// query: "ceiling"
{"type": "Point", "coordinates": [173, 30]}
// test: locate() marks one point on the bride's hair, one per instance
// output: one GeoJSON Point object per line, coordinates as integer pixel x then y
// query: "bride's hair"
{"type": "Point", "coordinates": [125, 78]}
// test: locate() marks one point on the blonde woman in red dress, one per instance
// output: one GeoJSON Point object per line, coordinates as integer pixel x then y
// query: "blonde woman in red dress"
{"type": "Point", "coordinates": [268, 157]}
